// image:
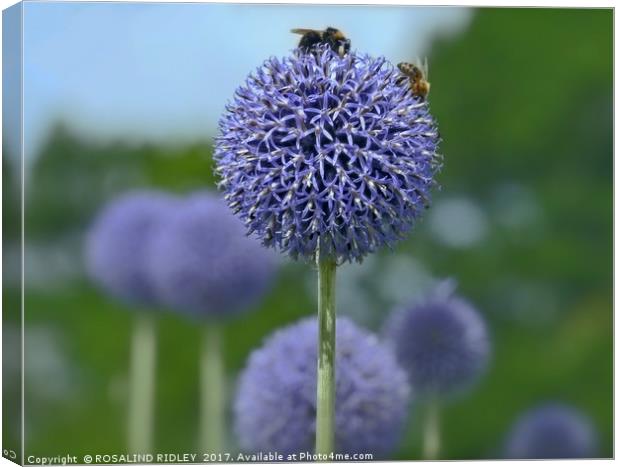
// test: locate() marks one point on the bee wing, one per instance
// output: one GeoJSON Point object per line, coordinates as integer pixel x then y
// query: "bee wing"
{"type": "Point", "coordinates": [425, 67]}
{"type": "Point", "coordinates": [303, 31]}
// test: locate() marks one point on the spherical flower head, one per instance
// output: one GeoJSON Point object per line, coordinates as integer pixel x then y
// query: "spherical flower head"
{"type": "Point", "coordinates": [322, 150]}
{"type": "Point", "coordinates": [202, 263]}
{"type": "Point", "coordinates": [275, 406]}
{"type": "Point", "coordinates": [552, 431]}
{"type": "Point", "coordinates": [442, 343]}
{"type": "Point", "coordinates": [116, 244]}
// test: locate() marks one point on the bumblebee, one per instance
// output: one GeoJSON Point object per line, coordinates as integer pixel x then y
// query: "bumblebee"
{"type": "Point", "coordinates": [333, 37]}
{"type": "Point", "coordinates": [418, 77]}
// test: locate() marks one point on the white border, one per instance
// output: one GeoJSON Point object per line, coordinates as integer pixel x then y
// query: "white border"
{"type": "Point", "coordinates": [480, 3]}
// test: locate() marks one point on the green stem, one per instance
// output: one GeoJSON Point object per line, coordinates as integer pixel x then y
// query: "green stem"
{"type": "Point", "coordinates": [432, 436]}
{"type": "Point", "coordinates": [326, 387]}
{"type": "Point", "coordinates": [212, 391]}
{"type": "Point", "coordinates": [142, 385]}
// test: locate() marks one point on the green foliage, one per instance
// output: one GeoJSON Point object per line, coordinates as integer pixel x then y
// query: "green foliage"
{"type": "Point", "coordinates": [11, 209]}
{"type": "Point", "coordinates": [525, 97]}
{"type": "Point", "coordinates": [73, 177]}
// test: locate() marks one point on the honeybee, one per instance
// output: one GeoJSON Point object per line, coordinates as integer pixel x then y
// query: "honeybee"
{"type": "Point", "coordinates": [333, 37]}
{"type": "Point", "coordinates": [418, 77]}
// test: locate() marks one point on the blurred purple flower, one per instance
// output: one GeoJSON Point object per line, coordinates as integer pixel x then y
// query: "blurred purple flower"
{"type": "Point", "coordinates": [442, 343]}
{"type": "Point", "coordinates": [552, 431]}
{"type": "Point", "coordinates": [318, 146]}
{"type": "Point", "coordinates": [116, 244]}
{"type": "Point", "coordinates": [276, 401]}
{"type": "Point", "coordinates": [201, 262]}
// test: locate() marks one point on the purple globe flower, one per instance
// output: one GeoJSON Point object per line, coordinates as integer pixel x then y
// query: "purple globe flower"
{"type": "Point", "coordinates": [442, 343]}
{"type": "Point", "coordinates": [552, 431]}
{"type": "Point", "coordinates": [202, 263]}
{"type": "Point", "coordinates": [315, 146]}
{"type": "Point", "coordinates": [275, 406]}
{"type": "Point", "coordinates": [116, 244]}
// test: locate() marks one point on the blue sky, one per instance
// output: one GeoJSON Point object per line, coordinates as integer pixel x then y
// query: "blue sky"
{"type": "Point", "coordinates": [163, 72]}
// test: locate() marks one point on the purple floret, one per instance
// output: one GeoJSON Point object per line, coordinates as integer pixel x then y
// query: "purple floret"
{"type": "Point", "coordinates": [275, 407]}
{"type": "Point", "coordinates": [552, 431]}
{"type": "Point", "coordinates": [442, 343]}
{"type": "Point", "coordinates": [201, 262]}
{"type": "Point", "coordinates": [116, 244]}
{"type": "Point", "coordinates": [318, 146]}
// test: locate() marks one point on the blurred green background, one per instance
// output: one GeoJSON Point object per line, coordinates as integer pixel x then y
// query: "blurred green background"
{"type": "Point", "coordinates": [523, 221]}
